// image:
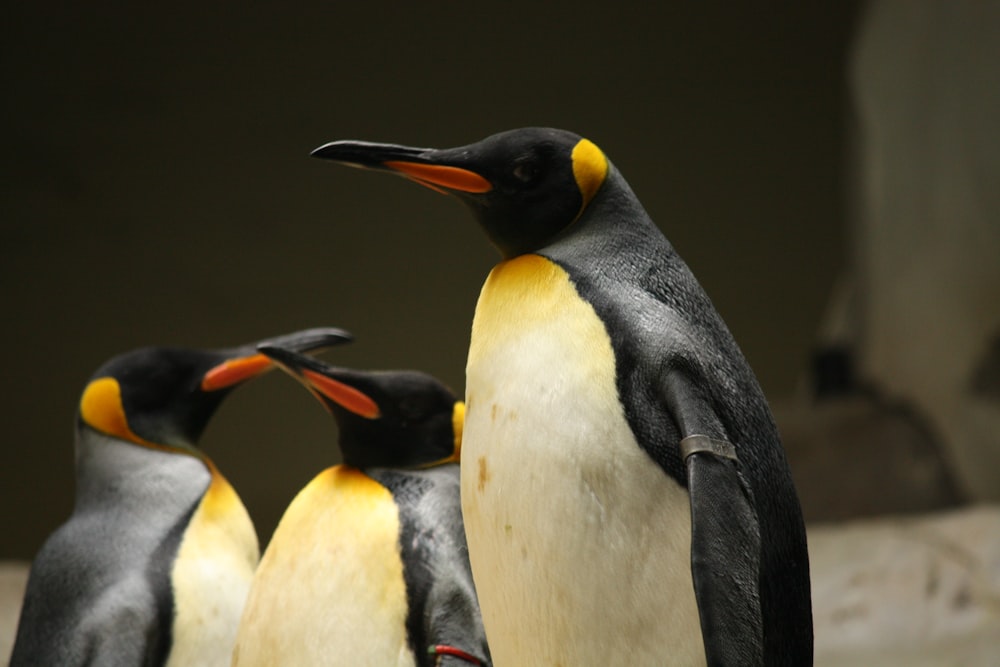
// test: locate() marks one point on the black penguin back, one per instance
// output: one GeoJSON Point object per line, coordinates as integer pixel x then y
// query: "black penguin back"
{"type": "Point", "coordinates": [661, 321]}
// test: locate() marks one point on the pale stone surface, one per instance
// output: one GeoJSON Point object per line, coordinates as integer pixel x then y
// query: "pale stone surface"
{"type": "Point", "coordinates": [920, 592]}
{"type": "Point", "coordinates": [917, 591]}
{"type": "Point", "coordinates": [13, 577]}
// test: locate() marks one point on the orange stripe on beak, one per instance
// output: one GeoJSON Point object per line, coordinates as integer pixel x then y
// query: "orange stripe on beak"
{"type": "Point", "coordinates": [453, 178]}
{"type": "Point", "coordinates": [343, 395]}
{"type": "Point", "coordinates": [233, 371]}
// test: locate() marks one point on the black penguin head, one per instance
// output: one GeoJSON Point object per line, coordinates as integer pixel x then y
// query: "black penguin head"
{"type": "Point", "coordinates": [525, 186]}
{"type": "Point", "coordinates": [164, 396]}
{"type": "Point", "coordinates": [387, 419]}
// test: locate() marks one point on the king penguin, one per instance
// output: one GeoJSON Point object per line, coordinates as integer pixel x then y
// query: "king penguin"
{"type": "Point", "coordinates": [154, 564]}
{"type": "Point", "coordinates": [625, 493]}
{"type": "Point", "coordinates": [368, 566]}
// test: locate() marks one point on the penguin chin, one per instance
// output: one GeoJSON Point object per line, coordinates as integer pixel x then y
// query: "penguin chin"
{"type": "Point", "coordinates": [522, 242]}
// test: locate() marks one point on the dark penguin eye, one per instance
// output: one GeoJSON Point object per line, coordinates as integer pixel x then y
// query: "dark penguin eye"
{"type": "Point", "coordinates": [525, 171]}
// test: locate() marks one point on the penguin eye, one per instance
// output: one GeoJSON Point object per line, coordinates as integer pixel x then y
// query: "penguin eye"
{"type": "Point", "coordinates": [525, 171]}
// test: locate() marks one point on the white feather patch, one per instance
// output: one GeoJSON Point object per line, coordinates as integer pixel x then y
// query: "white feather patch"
{"type": "Point", "coordinates": [211, 578]}
{"type": "Point", "coordinates": [579, 542]}
{"type": "Point", "coordinates": [330, 588]}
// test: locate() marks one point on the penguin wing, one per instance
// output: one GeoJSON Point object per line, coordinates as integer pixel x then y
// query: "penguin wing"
{"type": "Point", "coordinates": [442, 597]}
{"type": "Point", "coordinates": [123, 626]}
{"type": "Point", "coordinates": [454, 631]}
{"type": "Point", "coordinates": [116, 628]}
{"type": "Point", "coordinates": [725, 533]}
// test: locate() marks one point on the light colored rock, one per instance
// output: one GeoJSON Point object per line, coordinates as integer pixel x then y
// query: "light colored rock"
{"type": "Point", "coordinates": [910, 591]}
{"type": "Point", "coordinates": [13, 577]}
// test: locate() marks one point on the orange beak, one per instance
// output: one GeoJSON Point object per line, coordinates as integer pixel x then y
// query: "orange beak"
{"type": "Point", "coordinates": [437, 176]}
{"type": "Point", "coordinates": [234, 371]}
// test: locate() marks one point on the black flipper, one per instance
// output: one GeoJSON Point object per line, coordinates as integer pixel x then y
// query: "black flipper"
{"type": "Point", "coordinates": [725, 533]}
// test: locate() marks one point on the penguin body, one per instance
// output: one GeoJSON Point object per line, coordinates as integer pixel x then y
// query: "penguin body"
{"type": "Point", "coordinates": [625, 493]}
{"type": "Point", "coordinates": [281, 627]}
{"type": "Point", "coordinates": [369, 564]}
{"type": "Point", "coordinates": [524, 491]}
{"type": "Point", "coordinates": [153, 565]}
{"type": "Point", "coordinates": [100, 589]}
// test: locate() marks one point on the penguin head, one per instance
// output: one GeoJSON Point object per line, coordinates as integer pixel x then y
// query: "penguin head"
{"type": "Point", "coordinates": [524, 186]}
{"type": "Point", "coordinates": [163, 396]}
{"type": "Point", "coordinates": [386, 419]}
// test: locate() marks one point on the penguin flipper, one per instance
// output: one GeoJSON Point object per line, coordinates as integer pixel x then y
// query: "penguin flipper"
{"type": "Point", "coordinates": [127, 636]}
{"type": "Point", "coordinates": [725, 533]}
{"type": "Point", "coordinates": [725, 541]}
{"type": "Point", "coordinates": [126, 627]}
{"type": "Point", "coordinates": [454, 623]}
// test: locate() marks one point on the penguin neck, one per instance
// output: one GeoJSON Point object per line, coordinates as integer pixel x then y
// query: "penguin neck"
{"type": "Point", "coordinates": [364, 455]}
{"type": "Point", "coordinates": [110, 470]}
{"type": "Point", "coordinates": [359, 457]}
{"type": "Point", "coordinates": [614, 221]}
{"type": "Point", "coordinates": [614, 237]}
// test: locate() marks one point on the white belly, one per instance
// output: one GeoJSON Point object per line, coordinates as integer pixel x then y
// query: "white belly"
{"type": "Point", "coordinates": [329, 589]}
{"type": "Point", "coordinates": [580, 544]}
{"type": "Point", "coordinates": [211, 578]}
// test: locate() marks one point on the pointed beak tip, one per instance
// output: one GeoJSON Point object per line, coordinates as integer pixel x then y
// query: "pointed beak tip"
{"type": "Point", "coordinates": [341, 337]}
{"type": "Point", "coordinates": [325, 152]}
{"type": "Point", "coordinates": [323, 147]}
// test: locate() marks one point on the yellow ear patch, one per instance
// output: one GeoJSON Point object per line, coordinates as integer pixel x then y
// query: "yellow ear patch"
{"type": "Point", "coordinates": [101, 408]}
{"type": "Point", "coordinates": [457, 425]}
{"type": "Point", "coordinates": [590, 168]}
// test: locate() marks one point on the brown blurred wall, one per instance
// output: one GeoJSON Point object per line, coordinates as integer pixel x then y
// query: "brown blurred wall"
{"type": "Point", "coordinates": [156, 189]}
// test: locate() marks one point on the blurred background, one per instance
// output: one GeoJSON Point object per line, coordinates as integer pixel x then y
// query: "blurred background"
{"type": "Point", "coordinates": [158, 189]}
{"type": "Point", "coordinates": [828, 170]}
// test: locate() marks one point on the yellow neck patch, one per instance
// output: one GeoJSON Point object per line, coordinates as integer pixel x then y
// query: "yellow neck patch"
{"type": "Point", "coordinates": [332, 576]}
{"type": "Point", "coordinates": [512, 286]}
{"type": "Point", "coordinates": [220, 499]}
{"type": "Point", "coordinates": [590, 168]}
{"type": "Point", "coordinates": [101, 408]}
{"type": "Point", "coordinates": [361, 493]}
{"type": "Point", "coordinates": [457, 424]}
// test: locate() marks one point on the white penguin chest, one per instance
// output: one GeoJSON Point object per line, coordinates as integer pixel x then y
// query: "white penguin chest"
{"type": "Point", "coordinates": [211, 578]}
{"type": "Point", "coordinates": [579, 542]}
{"type": "Point", "coordinates": [330, 587]}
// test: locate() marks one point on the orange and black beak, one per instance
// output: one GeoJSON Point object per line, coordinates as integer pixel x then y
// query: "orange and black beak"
{"type": "Point", "coordinates": [334, 387]}
{"type": "Point", "coordinates": [395, 419]}
{"type": "Point", "coordinates": [246, 362]}
{"type": "Point", "coordinates": [439, 170]}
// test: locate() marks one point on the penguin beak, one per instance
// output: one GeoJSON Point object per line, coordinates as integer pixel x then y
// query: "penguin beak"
{"type": "Point", "coordinates": [233, 371]}
{"type": "Point", "coordinates": [426, 166]}
{"type": "Point", "coordinates": [332, 386]}
{"type": "Point", "coordinates": [246, 363]}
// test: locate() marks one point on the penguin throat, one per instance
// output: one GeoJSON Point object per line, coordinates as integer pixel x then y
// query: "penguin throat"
{"type": "Point", "coordinates": [531, 237]}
